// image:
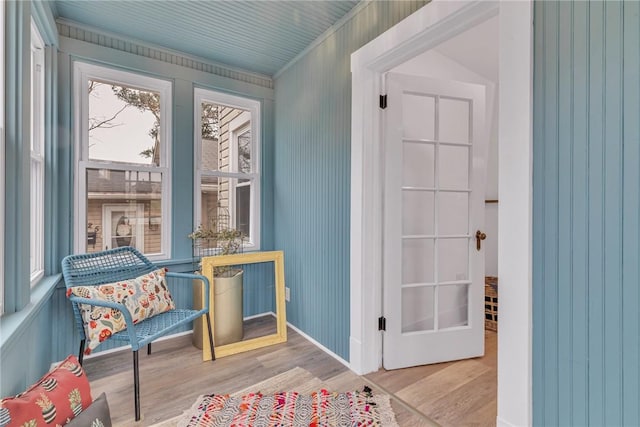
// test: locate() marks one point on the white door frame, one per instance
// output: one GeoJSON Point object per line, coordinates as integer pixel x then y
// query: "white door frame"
{"type": "Point", "coordinates": [427, 27]}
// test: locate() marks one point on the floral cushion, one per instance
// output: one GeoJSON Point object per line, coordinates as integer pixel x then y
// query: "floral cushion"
{"type": "Point", "coordinates": [96, 415]}
{"type": "Point", "coordinates": [54, 400]}
{"type": "Point", "coordinates": [145, 296]}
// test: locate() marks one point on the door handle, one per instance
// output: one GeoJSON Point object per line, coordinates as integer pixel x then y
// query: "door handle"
{"type": "Point", "coordinates": [480, 236]}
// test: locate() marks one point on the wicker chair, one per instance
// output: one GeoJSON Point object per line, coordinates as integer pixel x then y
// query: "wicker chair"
{"type": "Point", "coordinates": [120, 264]}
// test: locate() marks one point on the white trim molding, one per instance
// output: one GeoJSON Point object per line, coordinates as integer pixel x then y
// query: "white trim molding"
{"type": "Point", "coordinates": [42, 14]}
{"type": "Point", "coordinates": [424, 29]}
{"type": "Point", "coordinates": [515, 236]}
{"type": "Point", "coordinates": [320, 346]}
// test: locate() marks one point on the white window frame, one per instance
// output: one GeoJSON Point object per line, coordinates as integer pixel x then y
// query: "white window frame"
{"type": "Point", "coordinates": [36, 242]}
{"type": "Point", "coordinates": [82, 73]}
{"type": "Point", "coordinates": [252, 108]}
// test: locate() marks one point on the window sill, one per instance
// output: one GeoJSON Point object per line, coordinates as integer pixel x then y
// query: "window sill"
{"type": "Point", "coordinates": [12, 323]}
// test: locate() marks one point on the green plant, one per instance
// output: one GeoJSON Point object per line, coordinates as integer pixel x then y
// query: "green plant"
{"type": "Point", "coordinates": [211, 241]}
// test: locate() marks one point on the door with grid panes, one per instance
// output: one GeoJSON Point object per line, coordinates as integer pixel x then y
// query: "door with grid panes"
{"type": "Point", "coordinates": [433, 287]}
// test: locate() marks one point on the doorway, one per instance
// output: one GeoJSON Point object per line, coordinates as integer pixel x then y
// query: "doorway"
{"type": "Point", "coordinates": [420, 32]}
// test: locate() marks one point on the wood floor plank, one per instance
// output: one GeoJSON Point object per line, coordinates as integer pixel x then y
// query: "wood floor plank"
{"type": "Point", "coordinates": [174, 375]}
{"type": "Point", "coordinates": [485, 416]}
{"type": "Point", "coordinates": [414, 386]}
{"type": "Point", "coordinates": [432, 388]}
{"type": "Point", "coordinates": [396, 380]}
{"type": "Point", "coordinates": [462, 405]}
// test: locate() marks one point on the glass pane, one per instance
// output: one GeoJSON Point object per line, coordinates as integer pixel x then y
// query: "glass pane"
{"type": "Point", "coordinates": [453, 259]}
{"type": "Point", "coordinates": [417, 309]}
{"type": "Point", "coordinates": [453, 167]}
{"type": "Point", "coordinates": [226, 138]}
{"type": "Point", "coordinates": [453, 213]}
{"type": "Point", "coordinates": [214, 214]}
{"type": "Point", "coordinates": [35, 216]}
{"type": "Point", "coordinates": [214, 203]}
{"type": "Point", "coordinates": [418, 165]}
{"type": "Point", "coordinates": [417, 213]}
{"type": "Point", "coordinates": [244, 151]}
{"type": "Point", "coordinates": [417, 261]}
{"type": "Point", "coordinates": [209, 154]}
{"type": "Point", "coordinates": [454, 120]}
{"type": "Point", "coordinates": [124, 124]}
{"type": "Point", "coordinates": [218, 195]}
{"type": "Point", "coordinates": [243, 206]}
{"type": "Point", "coordinates": [418, 116]}
{"type": "Point", "coordinates": [124, 208]}
{"type": "Point", "coordinates": [453, 306]}
{"type": "Point", "coordinates": [210, 133]}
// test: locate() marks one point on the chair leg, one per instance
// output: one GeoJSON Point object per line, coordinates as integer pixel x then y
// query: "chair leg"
{"type": "Point", "coordinates": [81, 352]}
{"type": "Point", "coordinates": [213, 354]}
{"type": "Point", "coordinates": [148, 349]}
{"type": "Point", "coordinates": [136, 385]}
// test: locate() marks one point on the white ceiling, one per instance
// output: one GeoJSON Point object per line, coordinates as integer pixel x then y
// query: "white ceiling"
{"type": "Point", "coordinates": [476, 49]}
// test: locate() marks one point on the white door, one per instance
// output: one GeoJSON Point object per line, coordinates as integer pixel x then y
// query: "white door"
{"type": "Point", "coordinates": [433, 290]}
{"type": "Point", "coordinates": [123, 225]}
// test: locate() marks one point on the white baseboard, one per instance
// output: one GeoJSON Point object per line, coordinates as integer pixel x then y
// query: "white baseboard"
{"type": "Point", "coordinates": [255, 316]}
{"type": "Point", "coordinates": [125, 347]}
{"type": "Point", "coordinates": [320, 346]}
{"type": "Point", "coordinates": [503, 423]}
{"type": "Point", "coordinates": [355, 355]}
{"type": "Point", "coordinates": [304, 335]}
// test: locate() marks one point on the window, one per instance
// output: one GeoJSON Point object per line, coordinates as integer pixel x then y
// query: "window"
{"type": "Point", "coordinates": [37, 156]}
{"type": "Point", "coordinates": [227, 159]}
{"type": "Point", "coordinates": [123, 123]}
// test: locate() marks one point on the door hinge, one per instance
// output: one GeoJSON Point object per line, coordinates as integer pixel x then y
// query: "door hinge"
{"type": "Point", "coordinates": [382, 323]}
{"type": "Point", "coordinates": [383, 101]}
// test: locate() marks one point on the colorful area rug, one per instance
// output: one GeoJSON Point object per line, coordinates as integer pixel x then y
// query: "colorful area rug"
{"type": "Point", "coordinates": [288, 409]}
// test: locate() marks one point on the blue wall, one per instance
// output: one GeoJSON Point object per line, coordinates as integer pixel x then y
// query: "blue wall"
{"type": "Point", "coordinates": [34, 316]}
{"type": "Point", "coordinates": [312, 174]}
{"type": "Point", "coordinates": [586, 213]}
{"type": "Point", "coordinates": [309, 165]}
{"type": "Point", "coordinates": [84, 45]}
{"type": "Point", "coordinates": [26, 327]}
{"type": "Point", "coordinates": [17, 153]}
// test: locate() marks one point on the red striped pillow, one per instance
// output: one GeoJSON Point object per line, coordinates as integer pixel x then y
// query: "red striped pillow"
{"type": "Point", "coordinates": [57, 398]}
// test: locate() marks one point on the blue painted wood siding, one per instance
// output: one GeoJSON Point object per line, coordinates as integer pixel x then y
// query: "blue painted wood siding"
{"type": "Point", "coordinates": [312, 175]}
{"type": "Point", "coordinates": [46, 316]}
{"type": "Point", "coordinates": [186, 75]}
{"type": "Point", "coordinates": [26, 329]}
{"type": "Point", "coordinates": [586, 213]}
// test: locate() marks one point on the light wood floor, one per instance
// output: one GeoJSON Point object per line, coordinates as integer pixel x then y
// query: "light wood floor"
{"type": "Point", "coordinates": [462, 393]}
{"type": "Point", "coordinates": [174, 375]}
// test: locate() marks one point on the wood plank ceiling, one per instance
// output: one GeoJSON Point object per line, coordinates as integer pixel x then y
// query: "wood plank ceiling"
{"type": "Point", "coordinates": [257, 36]}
